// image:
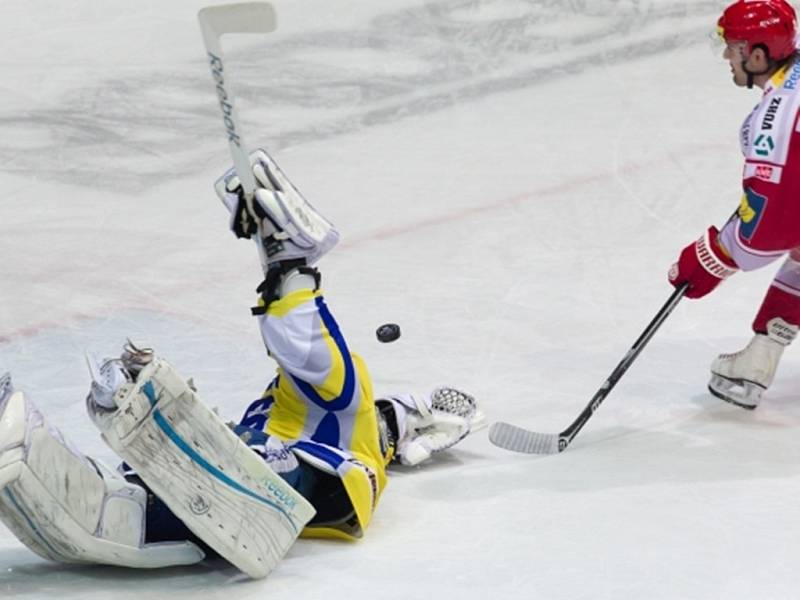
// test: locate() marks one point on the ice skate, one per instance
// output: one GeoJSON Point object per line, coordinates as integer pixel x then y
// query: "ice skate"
{"type": "Point", "coordinates": [741, 378]}
{"type": "Point", "coordinates": [111, 374]}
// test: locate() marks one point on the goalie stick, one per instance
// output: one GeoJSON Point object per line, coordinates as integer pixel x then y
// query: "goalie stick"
{"type": "Point", "coordinates": [517, 439]}
{"type": "Point", "coordinates": [246, 17]}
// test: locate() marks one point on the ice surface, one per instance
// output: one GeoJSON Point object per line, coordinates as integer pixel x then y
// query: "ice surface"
{"type": "Point", "coordinates": [512, 180]}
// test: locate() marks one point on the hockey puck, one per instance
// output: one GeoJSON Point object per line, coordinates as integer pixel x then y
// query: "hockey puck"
{"type": "Point", "coordinates": [388, 332]}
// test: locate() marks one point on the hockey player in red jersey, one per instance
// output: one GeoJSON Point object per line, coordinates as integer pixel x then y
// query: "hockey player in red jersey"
{"type": "Point", "coordinates": [760, 39]}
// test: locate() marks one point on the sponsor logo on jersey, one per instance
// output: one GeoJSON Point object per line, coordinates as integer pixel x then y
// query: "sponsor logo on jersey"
{"type": "Point", "coordinates": [764, 145]}
{"type": "Point", "coordinates": [747, 129]}
{"type": "Point", "coordinates": [751, 209]}
{"type": "Point", "coordinates": [793, 78]}
{"type": "Point", "coordinates": [769, 173]}
{"type": "Point", "coordinates": [764, 172]}
{"type": "Point", "coordinates": [772, 111]}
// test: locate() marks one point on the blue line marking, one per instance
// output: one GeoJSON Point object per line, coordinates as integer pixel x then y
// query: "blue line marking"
{"type": "Point", "coordinates": [162, 422]}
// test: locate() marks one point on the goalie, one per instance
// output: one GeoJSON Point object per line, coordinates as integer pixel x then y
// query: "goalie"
{"type": "Point", "coordinates": [308, 458]}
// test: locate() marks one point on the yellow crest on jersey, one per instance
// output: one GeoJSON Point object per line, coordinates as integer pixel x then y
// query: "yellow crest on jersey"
{"type": "Point", "coordinates": [746, 212]}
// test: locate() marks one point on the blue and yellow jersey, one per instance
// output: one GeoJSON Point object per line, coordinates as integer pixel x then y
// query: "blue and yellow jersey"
{"type": "Point", "coordinates": [321, 403]}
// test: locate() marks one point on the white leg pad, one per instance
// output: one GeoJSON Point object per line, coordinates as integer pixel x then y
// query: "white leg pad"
{"type": "Point", "coordinates": [211, 480]}
{"type": "Point", "coordinates": [66, 507]}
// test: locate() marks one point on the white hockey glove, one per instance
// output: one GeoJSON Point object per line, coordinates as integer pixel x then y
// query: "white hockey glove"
{"type": "Point", "coordinates": [245, 217]}
{"type": "Point", "coordinates": [423, 425]}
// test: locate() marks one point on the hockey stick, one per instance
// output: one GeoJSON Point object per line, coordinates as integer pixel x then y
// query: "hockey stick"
{"type": "Point", "coordinates": [522, 440]}
{"type": "Point", "coordinates": [247, 17]}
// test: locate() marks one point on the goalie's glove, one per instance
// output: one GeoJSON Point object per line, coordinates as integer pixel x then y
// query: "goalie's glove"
{"type": "Point", "coordinates": [283, 223]}
{"type": "Point", "coordinates": [247, 216]}
{"type": "Point", "coordinates": [423, 424]}
{"type": "Point", "coordinates": [244, 217]}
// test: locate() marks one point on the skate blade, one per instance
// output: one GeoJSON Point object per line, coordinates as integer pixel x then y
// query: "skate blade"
{"type": "Point", "coordinates": [741, 393]}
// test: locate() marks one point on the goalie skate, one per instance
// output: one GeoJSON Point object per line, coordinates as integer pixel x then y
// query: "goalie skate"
{"type": "Point", "coordinates": [222, 490]}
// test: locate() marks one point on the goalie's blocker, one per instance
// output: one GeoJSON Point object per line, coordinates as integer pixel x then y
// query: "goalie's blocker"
{"type": "Point", "coordinates": [277, 215]}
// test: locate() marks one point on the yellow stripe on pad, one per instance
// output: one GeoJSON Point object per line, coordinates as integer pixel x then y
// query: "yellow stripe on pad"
{"type": "Point", "coordinates": [281, 308]}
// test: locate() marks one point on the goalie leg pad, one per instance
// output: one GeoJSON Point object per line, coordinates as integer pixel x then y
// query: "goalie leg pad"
{"type": "Point", "coordinates": [66, 507]}
{"type": "Point", "coordinates": [209, 478]}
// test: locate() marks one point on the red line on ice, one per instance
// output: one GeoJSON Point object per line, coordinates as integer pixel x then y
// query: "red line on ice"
{"type": "Point", "coordinates": [392, 232]}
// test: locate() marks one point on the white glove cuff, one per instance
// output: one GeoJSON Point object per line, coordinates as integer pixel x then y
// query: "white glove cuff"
{"type": "Point", "coordinates": [709, 259]}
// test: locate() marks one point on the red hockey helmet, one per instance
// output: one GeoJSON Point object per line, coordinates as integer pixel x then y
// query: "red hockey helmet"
{"type": "Point", "coordinates": [771, 23]}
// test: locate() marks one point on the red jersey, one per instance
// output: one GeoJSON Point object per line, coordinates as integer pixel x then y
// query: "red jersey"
{"type": "Point", "coordinates": [767, 224]}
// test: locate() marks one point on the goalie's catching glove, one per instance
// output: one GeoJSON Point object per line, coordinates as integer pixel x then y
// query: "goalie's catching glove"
{"type": "Point", "coordinates": [423, 424]}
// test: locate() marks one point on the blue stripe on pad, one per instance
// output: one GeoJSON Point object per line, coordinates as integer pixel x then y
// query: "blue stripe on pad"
{"type": "Point", "coordinates": [176, 439]}
{"type": "Point", "coordinates": [31, 524]}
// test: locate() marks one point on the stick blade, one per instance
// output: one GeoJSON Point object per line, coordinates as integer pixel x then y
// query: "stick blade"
{"type": "Point", "coordinates": [245, 17]}
{"type": "Point", "coordinates": [517, 439]}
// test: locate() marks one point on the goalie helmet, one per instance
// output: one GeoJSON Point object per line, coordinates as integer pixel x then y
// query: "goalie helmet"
{"type": "Point", "coordinates": [768, 23]}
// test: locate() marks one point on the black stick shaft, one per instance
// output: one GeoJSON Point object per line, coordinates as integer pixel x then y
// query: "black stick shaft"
{"type": "Point", "coordinates": [570, 432]}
